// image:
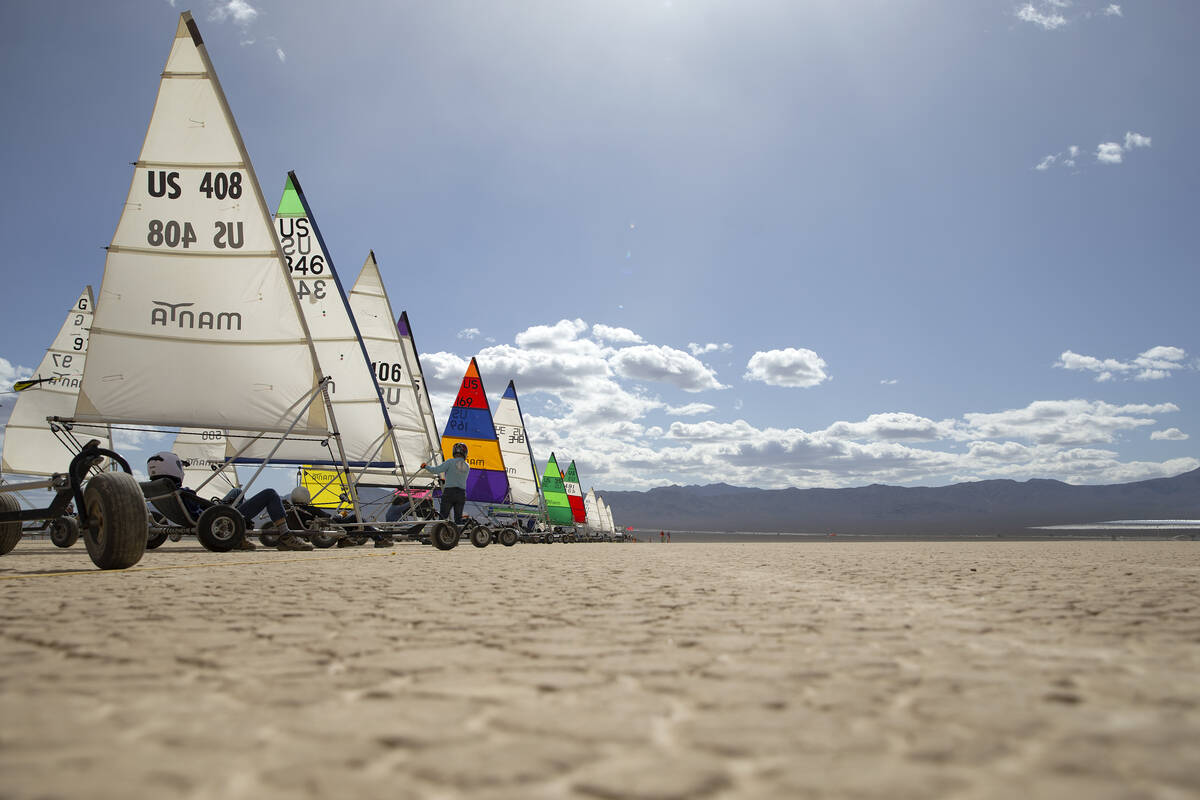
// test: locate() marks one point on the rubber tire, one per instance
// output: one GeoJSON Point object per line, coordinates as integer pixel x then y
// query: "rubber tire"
{"type": "Point", "coordinates": [508, 537]}
{"type": "Point", "coordinates": [268, 539]}
{"type": "Point", "coordinates": [221, 528]}
{"type": "Point", "coordinates": [118, 523]}
{"type": "Point", "coordinates": [323, 539]}
{"type": "Point", "coordinates": [64, 531]}
{"type": "Point", "coordinates": [10, 532]}
{"type": "Point", "coordinates": [480, 536]}
{"type": "Point", "coordinates": [443, 535]}
{"type": "Point", "coordinates": [156, 541]}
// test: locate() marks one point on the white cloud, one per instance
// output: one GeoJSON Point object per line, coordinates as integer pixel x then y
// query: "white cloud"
{"type": "Point", "coordinates": [788, 367]}
{"type": "Point", "coordinates": [282, 56]}
{"type": "Point", "coordinates": [1046, 163]}
{"type": "Point", "coordinates": [550, 337]}
{"type": "Point", "coordinates": [1154, 364]}
{"type": "Point", "coordinates": [711, 347]}
{"type": "Point", "coordinates": [241, 12]}
{"type": "Point", "coordinates": [1133, 140]}
{"type": "Point", "coordinates": [1170, 435]}
{"type": "Point", "coordinates": [1113, 10]}
{"type": "Point", "coordinates": [467, 333]}
{"type": "Point", "coordinates": [1061, 422]}
{"type": "Point", "coordinates": [1048, 20]}
{"type": "Point", "coordinates": [665, 364]}
{"type": "Point", "coordinates": [690, 409]}
{"type": "Point", "coordinates": [9, 374]}
{"type": "Point", "coordinates": [890, 381]}
{"type": "Point", "coordinates": [607, 333]}
{"type": "Point", "coordinates": [894, 426]}
{"type": "Point", "coordinates": [1109, 153]}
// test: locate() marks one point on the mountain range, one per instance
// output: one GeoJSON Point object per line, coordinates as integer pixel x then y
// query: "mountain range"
{"type": "Point", "coordinates": [977, 507]}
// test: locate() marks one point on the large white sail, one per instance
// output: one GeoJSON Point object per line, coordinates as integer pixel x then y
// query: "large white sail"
{"type": "Point", "coordinates": [358, 412]}
{"type": "Point", "coordinates": [398, 376]}
{"type": "Point", "coordinates": [30, 446]}
{"type": "Point", "coordinates": [514, 446]}
{"type": "Point", "coordinates": [204, 453]}
{"type": "Point", "coordinates": [409, 345]}
{"type": "Point", "coordinates": [605, 515]}
{"type": "Point", "coordinates": [595, 521]}
{"type": "Point", "coordinates": [196, 323]}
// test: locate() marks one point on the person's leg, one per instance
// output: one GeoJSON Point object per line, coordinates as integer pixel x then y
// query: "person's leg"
{"type": "Point", "coordinates": [460, 502]}
{"type": "Point", "coordinates": [268, 500]}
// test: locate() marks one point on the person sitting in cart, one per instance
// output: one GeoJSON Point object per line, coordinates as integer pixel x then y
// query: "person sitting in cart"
{"type": "Point", "coordinates": [301, 500]}
{"type": "Point", "coordinates": [454, 495]}
{"type": "Point", "coordinates": [168, 465]}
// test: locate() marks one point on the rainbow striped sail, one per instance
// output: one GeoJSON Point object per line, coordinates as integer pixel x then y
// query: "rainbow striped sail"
{"type": "Point", "coordinates": [558, 507]}
{"type": "Point", "coordinates": [471, 423]}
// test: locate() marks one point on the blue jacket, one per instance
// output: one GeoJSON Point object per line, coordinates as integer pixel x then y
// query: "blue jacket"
{"type": "Point", "coordinates": [456, 470]}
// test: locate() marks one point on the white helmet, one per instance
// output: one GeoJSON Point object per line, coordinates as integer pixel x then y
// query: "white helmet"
{"type": "Point", "coordinates": [301, 496]}
{"type": "Point", "coordinates": [165, 465]}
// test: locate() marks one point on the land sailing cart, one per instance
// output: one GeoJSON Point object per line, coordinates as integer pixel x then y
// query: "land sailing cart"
{"type": "Point", "coordinates": [111, 512]}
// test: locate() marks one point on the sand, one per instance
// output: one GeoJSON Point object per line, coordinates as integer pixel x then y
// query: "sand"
{"type": "Point", "coordinates": [861, 670]}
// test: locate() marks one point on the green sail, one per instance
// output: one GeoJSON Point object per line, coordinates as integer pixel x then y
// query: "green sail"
{"type": "Point", "coordinates": [290, 204]}
{"type": "Point", "coordinates": [558, 507]}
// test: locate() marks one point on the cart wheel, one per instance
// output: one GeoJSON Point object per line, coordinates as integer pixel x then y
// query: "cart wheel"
{"type": "Point", "coordinates": [508, 537]}
{"type": "Point", "coordinates": [443, 535]}
{"type": "Point", "coordinates": [269, 539]}
{"type": "Point", "coordinates": [118, 525]}
{"type": "Point", "coordinates": [221, 528]}
{"type": "Point", "coordinates": [156, 541]}
{"type": "Point", "coordinates": [10, 532]}
{"type": "Point", "coordinates": [64, 531]}
{"type": "Point", "coordinates": [480, 536]}
{"type": "Point", "coordinates": [323, 539]}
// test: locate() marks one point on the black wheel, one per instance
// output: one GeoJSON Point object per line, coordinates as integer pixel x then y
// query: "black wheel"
{"type": "Point", "coordinates": [480, 536]}
{"type": "Point", "coordinates": [443, 535]}
{"type": "Point", "coordinates": [10, 532]}
{"type": "Point", "coordinates": [323, 539]}
{"type": "Point", "coordinates": [118, 525]}
{"type": "Point", "coordinates": [156, 541]}
{"type": "Point", "coordinates": [508, 537]}
{"type": "Point", "coordinates": [221, 528]}
{"type": "Point", "coordinates": [269, 539]}
{"type": "Point", "coordinates": [64, 531]}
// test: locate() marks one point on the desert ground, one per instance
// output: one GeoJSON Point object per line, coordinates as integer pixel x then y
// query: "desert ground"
{"type": "Point", "coordinates": [688, 670]}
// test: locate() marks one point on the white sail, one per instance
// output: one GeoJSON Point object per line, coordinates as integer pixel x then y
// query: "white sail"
{"type": "Point", "coordinates": [409, 345]}
{"type": "Point", "coordinates": [398, 376]}
{"type": "Point", "coordinates": [358, 413]}
{"type": "Point", "coordinates": [196, 323]}
{"type": "Point", "coordinates": [606, 520]}
{"type": "Point", "coordinates": [30, 446]}
{"type": "Point", "coordinates": [514, 446]}
{"type": "Point", "coordinates": [595, 521]}
{"type": "Point", "coordinates": [203, 451]}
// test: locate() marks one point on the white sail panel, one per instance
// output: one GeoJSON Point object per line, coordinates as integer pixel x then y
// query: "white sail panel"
{"type": "Point", "coordinates": [400, 386]}
{"type": "Point", "coordinates": [30, 447]}
{"type": "Point", "coordinates": [514, 446]}
{"type": "Point", "coordinates": [203, 452]}
{"type": "Point", "coordinates": [409, 345]}
{"type": "Point", "coordinates": [595, 521]}
{"type": "Point", "coordinates": [196, 323]}
{"type": "Point", "coordinates": [358, 412]}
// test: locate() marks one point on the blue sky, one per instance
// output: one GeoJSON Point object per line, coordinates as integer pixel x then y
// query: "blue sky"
{"type": "Point", "coordinates": [823, 243]}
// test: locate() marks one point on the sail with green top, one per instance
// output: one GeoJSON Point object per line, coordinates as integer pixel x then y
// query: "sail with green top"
{"type": "Point", "coordinates": [558, 507]}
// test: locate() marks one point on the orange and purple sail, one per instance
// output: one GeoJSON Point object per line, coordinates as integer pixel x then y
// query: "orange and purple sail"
{"type": "Point", "coordinates": [471, 423]}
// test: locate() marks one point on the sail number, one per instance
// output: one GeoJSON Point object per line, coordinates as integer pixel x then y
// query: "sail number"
{"type": "Point", "coordinates": [316, 291]}
{"type": "Point", "coordinates": [387, 371]}
{"type": "Point", "coordinates": [212, 436]}
{"type": "Point", "coordinates": [214, 184]}
{"type": "Point", "coordinates": [171, 233]}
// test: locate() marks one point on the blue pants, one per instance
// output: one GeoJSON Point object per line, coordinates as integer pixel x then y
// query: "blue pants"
{"type": "Point", "coordinates": [267, 499]}
{"type": "Point", "coordinates": [453, 499]}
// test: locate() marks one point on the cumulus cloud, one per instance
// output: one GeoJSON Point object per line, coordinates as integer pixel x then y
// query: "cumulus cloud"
{"type": "Point", "coordinates": [1046, 163]}
{"type": "Point", "coordinates": [1106, 152]}
{"type": "Point", "coordinates": [788, 367]}
{"type": "Point", "coordinates": [895, 426]}
{"type": "Point", "coordinates": [690, 409]}
{"type": "Point", "coordinates": [10, 373]}
{"type": "Point", "coordinates": [607, 333]}
{"type": "Point", "coordinates": [239, 11]}
{"type": "Point", "coordinates": [282, 56]}
{"type": "Point", "coordinates": [1133, 140]}
{"type": "Point", "coordinates": [711, 347]}
{"type": "Point", "coordinates": [665, 364]}
{"type": "Point", "coordinates": [550, 337]}
{"type": "Point", "coordinates": [467, 333]}
{"type": "Point", "coordinates": [1047, 19]}
{"type": "Point", "coordinates": [1152, 365]}
{"type": "Point", "coordinates": [1113, 10]}
{"type": "Point", "coordinates": [1170, 435]}
{"type": "Point", "coordinates": [890, 381]}
{"type": "Point", "coordinates": [1061, 422]}
{"type": "Point", "coordinates": [1110, 153]}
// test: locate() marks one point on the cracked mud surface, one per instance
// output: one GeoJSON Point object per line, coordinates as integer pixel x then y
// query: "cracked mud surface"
{"type": "Point", "coordinates": [860, 670]}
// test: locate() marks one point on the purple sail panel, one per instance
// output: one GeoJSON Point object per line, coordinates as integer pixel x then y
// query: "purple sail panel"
{"type": "Point", "coordinates": [487, 486]}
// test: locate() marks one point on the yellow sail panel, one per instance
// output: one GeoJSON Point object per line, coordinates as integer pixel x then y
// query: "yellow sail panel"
{"type": "Point", "coordinates": [327, 487]}
{"type": "Point", "coordinates": [481, 453]}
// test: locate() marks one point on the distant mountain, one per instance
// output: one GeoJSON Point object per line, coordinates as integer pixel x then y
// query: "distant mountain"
{"type": "Point", "coordinates": [987, 507]}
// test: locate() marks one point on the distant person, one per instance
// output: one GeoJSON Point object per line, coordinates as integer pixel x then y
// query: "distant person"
{"type": "Point", "coordinates": [668, 537]}
{"type": "Point", "coordinates": [662, 537]}
{"type": "Point", "coordinates": [456, 469]}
